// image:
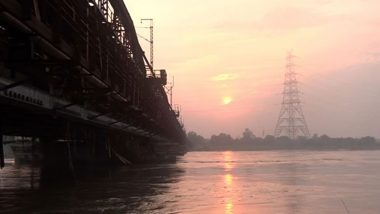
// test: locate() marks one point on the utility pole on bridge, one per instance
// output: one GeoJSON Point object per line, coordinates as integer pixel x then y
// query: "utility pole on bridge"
{"type": "Point", "coordinates": [150, 40]}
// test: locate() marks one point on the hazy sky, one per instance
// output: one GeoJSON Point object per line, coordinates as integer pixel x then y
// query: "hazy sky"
{"type": "Point", "coordinates": [228, 60]}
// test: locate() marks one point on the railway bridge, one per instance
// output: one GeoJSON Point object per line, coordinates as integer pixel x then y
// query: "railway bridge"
{"type": "Point", "coordinates": [74, 80]}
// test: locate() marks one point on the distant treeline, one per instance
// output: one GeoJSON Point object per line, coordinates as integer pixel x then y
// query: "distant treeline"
{"type": "Point", "coordinates": [248, 141]}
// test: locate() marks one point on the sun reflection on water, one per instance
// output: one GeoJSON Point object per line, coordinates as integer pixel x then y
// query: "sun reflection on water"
{"type": "Point", "coordinates": [228, 207]}
{"type": "Point", "coordinates": [228, 182]}
{"type": "Point", "coordinates": [227, 160]}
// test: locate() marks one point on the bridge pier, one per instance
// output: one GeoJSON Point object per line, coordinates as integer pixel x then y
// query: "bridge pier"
{"type": "Point", "coordinates": [2, 162]}
{"type": "Point", "coordinates": [56, 163]}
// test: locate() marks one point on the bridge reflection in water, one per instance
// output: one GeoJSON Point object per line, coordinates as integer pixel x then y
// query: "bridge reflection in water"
{"type": "Point", "coordinates": [137, 189]}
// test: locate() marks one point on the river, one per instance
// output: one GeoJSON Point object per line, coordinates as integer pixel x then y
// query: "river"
{"type": "Point", "coordinates": [267, 182]}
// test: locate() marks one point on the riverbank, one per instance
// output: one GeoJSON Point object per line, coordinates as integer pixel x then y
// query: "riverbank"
{"type": "Point", "coordinates": [320, 146]}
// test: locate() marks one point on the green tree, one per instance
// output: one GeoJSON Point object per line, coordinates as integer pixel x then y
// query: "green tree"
{"type": "Point", "coordinates": [248, 136]}
{"type": "Point", "coordinates": [269, 139]}
{"type": "Point", "coordinates": [196, 141]}
{"type": "Point", "coordinates": [222, 138]}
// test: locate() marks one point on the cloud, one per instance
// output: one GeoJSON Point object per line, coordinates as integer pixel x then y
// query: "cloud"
{"type": "Point", "coordinates": [373, 56]}
{"type": "Point", "coordinates": [225, 77]}
{"type": "Point", "coordinates": [290, 18]}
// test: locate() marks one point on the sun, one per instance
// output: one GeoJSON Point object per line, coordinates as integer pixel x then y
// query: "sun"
{"type": "Point", "coordinates": [226, 100]}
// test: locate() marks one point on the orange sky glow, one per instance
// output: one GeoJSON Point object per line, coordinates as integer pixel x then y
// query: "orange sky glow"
{"type": "Point", "coordinates": [228, 61]}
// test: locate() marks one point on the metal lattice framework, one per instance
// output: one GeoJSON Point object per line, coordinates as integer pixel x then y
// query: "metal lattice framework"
{"type": "Point", "coordinates": [291, 121]}
{"type": "Point", "coordinates": [78, 64]}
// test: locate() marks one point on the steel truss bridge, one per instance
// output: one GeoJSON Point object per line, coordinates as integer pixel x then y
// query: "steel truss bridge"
{"type": "Point", "coordinates": [73, 76]}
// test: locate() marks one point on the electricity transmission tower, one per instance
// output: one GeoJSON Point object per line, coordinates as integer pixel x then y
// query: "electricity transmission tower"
{"type": "Point", "coordinates": [291, 121]}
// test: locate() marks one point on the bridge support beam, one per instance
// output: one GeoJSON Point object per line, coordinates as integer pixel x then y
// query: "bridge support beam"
{"type": "Point", "coordinates": [2, 162]}
{"type": "Point", "coordinates": [13, 85]}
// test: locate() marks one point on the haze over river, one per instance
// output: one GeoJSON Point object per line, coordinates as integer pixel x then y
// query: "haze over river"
{"type": "Point", "coordinates": [208, 182]}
